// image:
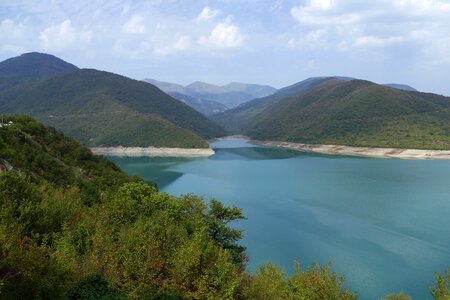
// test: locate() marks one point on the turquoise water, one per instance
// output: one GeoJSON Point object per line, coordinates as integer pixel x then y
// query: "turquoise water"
{"type": "Point", "coordinates": [385, 223]}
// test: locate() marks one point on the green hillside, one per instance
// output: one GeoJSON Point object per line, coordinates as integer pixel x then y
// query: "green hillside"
{"type": "Point", "coordinates": [238, 119]}
{"type": "Point", "coordinates": [357, 113]}
{"type": "Point", "coordinates": [101, 108]}
{"type": "Point", "coordinates": [31, 66]}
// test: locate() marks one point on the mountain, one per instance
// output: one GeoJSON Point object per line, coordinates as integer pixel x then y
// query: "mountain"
{"type": "Point", "coordinates": [230, 95]}
{"type": "Point", "coordinates": [167, 87]}
{"type": "Point", "coordinates": [206, 107]}
{"type": "Point", "coordinates": [101, 108]}
{"type": "Point", "coordinates": [402, 87]}
{"type": "Point", "coordinates": [241, 117]}
{"type": "Point", "coordinates": [355, 113]}
{"type": "Point", "coordinates": [32, 66]}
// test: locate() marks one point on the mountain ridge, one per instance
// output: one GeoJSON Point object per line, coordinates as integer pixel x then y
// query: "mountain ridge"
{"type": "Point", "coordinates": [351, 113]}
{"type": "Point", "coordinates": [105, 109]}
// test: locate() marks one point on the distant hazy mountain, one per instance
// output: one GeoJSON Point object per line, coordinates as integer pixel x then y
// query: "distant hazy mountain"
{"type": "Point", "coordinates": [230, 95]}
{"type": "Point", "coordinates": [167, 87]}
{"type": "Point", "coordinates": [402, 87]}
{"type": "Point", "coordinates": [31, 66]}
{"type": "Point", "coordinates": [351, 112]}
{"type": "Point", "coordinates": [101, 108]}
{"type": "Point", "coordinates": [206, 107]}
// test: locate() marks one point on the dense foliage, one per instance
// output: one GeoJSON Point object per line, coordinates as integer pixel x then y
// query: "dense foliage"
{"type": "Point", "coordinates": [354, 113]}
{"type": "Point", "coordinates": [72, 226]}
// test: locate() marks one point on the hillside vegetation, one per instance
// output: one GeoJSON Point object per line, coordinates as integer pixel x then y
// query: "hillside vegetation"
{"type": "Point", "coordinates": [72, 226]}
{"type": "Point", "coordinates": [101, 108]}
{"type": "Point", "coordinates": [347, 112]}
{"type": "Point", "coordinates": [31, 66]}
{"type": "Point", "coordinates": [240, 118]}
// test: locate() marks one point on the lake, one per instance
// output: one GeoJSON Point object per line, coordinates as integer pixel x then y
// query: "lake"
{"type": "Point", "coordinates": [384, 223]}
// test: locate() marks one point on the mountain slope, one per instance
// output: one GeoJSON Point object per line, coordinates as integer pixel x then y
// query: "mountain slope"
{"type": "Point", "coordinates": [357, 113]}
{"type": "Point", "coordinates": [32, 66]}
{"type": "Point", "coordinates": [205, 107]}
{"type": "Point", "coordinates": [46, 154]}
{"type": "Point", "coordinates": [101, 108]}
{"type": "Point", "coordinates": [402, 87]}
{"type": "Point", "coordinates": [230, 95]}
{"type": "Point", "coordinates": [167, 87]}
{"type": "Point", "coordinates": [239, 118]}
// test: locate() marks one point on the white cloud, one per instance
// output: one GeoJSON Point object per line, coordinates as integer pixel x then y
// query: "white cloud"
{"type": "Point", "coordinates": [322, 12]}
{"type": "Point", "coordinates": [13, 36]}
{"type": "Point", "coordinates": [181, 44]}
{"type": "Point", "coordinates": [207, 14]}
{"type": "Point", "coordinates": [374, 41]}
{"type": "Point", "coordinates": [313, 39]}
{"type": "Point", "coordinates": [64, 36]}
{"type": "Point", "coordinates": [135, 25]}
{"type": "Point", "coordinates": [223, 36]}
{"type": "Point", "coordinates": [373, 27]}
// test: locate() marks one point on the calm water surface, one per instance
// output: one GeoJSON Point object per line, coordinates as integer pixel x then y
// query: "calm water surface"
{"type": "Point", "coordinates": [385, 223]}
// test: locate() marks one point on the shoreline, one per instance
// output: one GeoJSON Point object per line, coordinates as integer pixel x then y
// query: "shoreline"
{"type": "Point", "coordinates": [359, 151]}
{"type": "Point", "coordinates": [229, 137]}
{"type": "Point", "coordinates": [153, 151]}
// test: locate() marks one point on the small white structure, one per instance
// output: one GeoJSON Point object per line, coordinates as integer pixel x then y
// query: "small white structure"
{"type": "Point", "coordinates": [2, 124]}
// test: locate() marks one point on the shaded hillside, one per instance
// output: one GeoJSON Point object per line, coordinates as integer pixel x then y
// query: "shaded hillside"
{"type": "Point", "coordinates": [31, 66]}
{"type": "Point", "coordinates": [101, 108]}
{"type": "Point", "coordinates": [357, 113]}
{"type": "Point", "coordinates": [238, 119]}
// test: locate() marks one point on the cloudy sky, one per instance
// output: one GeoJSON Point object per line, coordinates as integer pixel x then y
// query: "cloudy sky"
{"type": "Point", "coordinates": [272, 42]}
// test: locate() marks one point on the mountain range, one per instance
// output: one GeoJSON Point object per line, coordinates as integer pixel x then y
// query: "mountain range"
{"type": "Point", "coordinates": [332, 110]}
{"type": "Point", "coordinates": [100, 108]}
{"type": "Point", "coordinates": [230, 95]}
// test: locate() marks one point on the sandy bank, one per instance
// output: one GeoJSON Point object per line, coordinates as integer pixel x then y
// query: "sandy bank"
{"type": "Point", "coordinates": [360, 151]}
{"type": "Point", "coordinates": [152, 151]}
{"type": "Point", "coordinates": [229, 137]}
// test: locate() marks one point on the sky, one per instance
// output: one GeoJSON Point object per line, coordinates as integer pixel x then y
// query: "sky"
{"type": "Point", "coordinates": [255, 41]}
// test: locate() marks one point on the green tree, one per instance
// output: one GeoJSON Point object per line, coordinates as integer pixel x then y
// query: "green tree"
{"type": "Point", "coordinates": [440, 289]}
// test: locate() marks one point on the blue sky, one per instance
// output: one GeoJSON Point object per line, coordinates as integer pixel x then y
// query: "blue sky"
{"type": "Point", "coordinates": [270, 42]}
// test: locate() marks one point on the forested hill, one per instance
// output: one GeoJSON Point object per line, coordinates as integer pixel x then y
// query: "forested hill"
{"type": "Point", "coordinates": [101, 108]}
{"type": "Point", "coordinates": [347, 112]}
{"type": "Point", "coordinates": [31, 66]}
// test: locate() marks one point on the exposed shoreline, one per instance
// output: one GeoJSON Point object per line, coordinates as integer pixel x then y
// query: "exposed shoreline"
{"type": "Point", "coordinates": [229, 137]}
{"type": "Point", "coordinates": [359, 151]}
{"type": "Point", "coordinates": [153, 151]}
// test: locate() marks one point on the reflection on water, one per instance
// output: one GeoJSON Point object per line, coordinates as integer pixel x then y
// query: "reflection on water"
{"type": "Point", "coordinates": [383, 222]}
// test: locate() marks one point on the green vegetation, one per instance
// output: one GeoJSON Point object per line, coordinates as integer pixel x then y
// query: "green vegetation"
{"type": "Point", "coordinates": [354, 113]}
{"type": "Point", "coordinates": [105, 109]}
{"type": "Point", "coordinates": [72, 226]}
{"type": "Point", "coordinates": [31, 66]}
